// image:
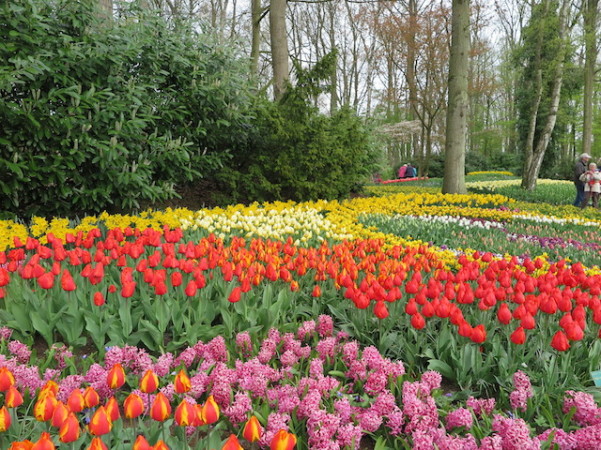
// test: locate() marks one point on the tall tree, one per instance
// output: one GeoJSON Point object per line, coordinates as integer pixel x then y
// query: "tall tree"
{"type": "Point", "coordinates": [279, 47]}
{"type": "Point", "coordinates": [456, 132]}
{"type": "Point", "coordinates": [591, 13]}
{"type": "Point", "coordinates": [543, 77]}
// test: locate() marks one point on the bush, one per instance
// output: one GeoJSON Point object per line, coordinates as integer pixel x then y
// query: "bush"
{"type": "Point", "coordinates": [97, 115]}
{"type": "Point", "coordinates": [295, 152]}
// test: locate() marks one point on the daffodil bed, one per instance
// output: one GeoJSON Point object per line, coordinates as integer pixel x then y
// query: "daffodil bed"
{"type": "Point", "coordinates": [316, 324]}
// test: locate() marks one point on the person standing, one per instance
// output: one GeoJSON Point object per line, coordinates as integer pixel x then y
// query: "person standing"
{"type": "Point", "coordinates": [592, 185]}
{"type": "Point", "coordinates": [579, 169]}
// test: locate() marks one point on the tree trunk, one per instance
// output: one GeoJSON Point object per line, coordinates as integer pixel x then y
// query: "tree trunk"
{"type": "Point", "coordinates": [454, 167]}
{"type": "Point", "coordinates": [279, 47]}
{"type": "Point", "coordinates": [255, 47]}
{"type": "Point", "coordinates": [535, 154]}
{"type": "Point", "coordinates": [334, 75]}
{"type": "Point", "coordinates": [590, 42]}
{"type": "Point", "coordinates": [410, 63]}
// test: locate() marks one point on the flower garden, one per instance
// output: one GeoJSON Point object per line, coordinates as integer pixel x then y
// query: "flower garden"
{"type": "Point", "coordinates": [407, 319]}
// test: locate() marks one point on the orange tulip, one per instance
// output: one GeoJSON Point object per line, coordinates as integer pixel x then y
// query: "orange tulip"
{"type": "Point", "coordinates": [198, 420]}
{"type": "Point", "coordinates": [116, 377]}
{"type": "Point", "coordinates": [59, 415]}
{"type": "Point", "coordinates": [6, 379]}
{"type": "Point", "coordinates": [91, 397]}
{"type": "Point", "coordinates": [133, 406]}
{"type": "Point", "coordinates": [160, 445]}
{"type": "Point", "coordinates": [97, 444]}
{"type": "Point", "coordinates": [100, 423]}
{"type": "Point", "coordinates": [210, 411]}
{"type": "Point", "coordinates": [283, 441]}
{"type": "Point", "coordinates": [112, 409]}
{"type": "Point", "coordinates": [185, 414]}
{"type": "Point", "coordinates": [44, 443]}
{"type": "Point", "coordinates": [161, 408]}
{"type": "Point", "coordinates": [252, 430]}
{"type": "Point", "coordinates": [232, 443]}
{"type": "Point", "coordinates": [69, 430]}
{"type": "Point", "coordinates": [13, 398]}
{"type": "Point", "coordinates": [50, 387]}
{"type": "Point", "coordinates": [182, 382]}
{"type": "Point", "coordinates": [149, 382]}
{"type": "Point", "coordinates": [5, 419]}
{"type": "Point", "coordinates": [141, 444]}
{"type": "Point", "coordinates": [21, 445]}
{"type": "Point", "coordinates": [76, 401]}
{"type": "Point", "coordinates": [44, 407]}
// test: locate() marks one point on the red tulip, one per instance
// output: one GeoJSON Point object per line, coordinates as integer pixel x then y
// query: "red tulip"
{"type": "Point", "coordinates": [185, 414]}
{"type": "Point", "coordinates": [504, 314]}
{"type": "Point", "coordinates": [116, 377]}
{"type": "Point", "coordinates": [283, 441]}
{"type": "Point", "coordinates": [252, 430]}
{"type": "Point", "coordinates": [44, 407]}
{"type": "Point", "coordinates": [91, 397]}
{"type": "Point", "coordinates": [67, 282]}
{"type": "Point", "coordinates": [560, 342]}
{"type": "Point", "coordinates": [478, 334]}
{"type": "Point", "coordinates": [232, 443]}
{"type": "Point", "coordinates": [210, 411]}
{"type": "Point", "coordinates": [69, 430]}
{"type": "Point", "coordinates": [133, 406]}
{"type": "Point", "coordinates": [518, 337]}
{"type": "Point", "coordinates": [6, 379]}
{"type": "Point", "coordinates": [160, 409]}
{"type": "Point", "coordinates": [191, 288]}
{"type": "Point", "coordinates": [112, 409]}
{"type": "Point", "coordinates": [21, 445]}
{"type": "Point", "coordinates": [100, 423]}
{"type": "Point", "coordinates": [316, 291]}
{"type": "Point", "coordinates": [380, 310]}
{"type": "Point", "coordinates": [417, 321]}
{"type": "Point", "coordinates": [76, 401]}
{"type": "Point", "coordinates": [160, 445]}
{"type": "Point", "coordinates": [98, 299]}
{"type": "Point", "coordinates": [235, 295]}
{"type": "Point", "coordinates": [59, 415]}
{"type": "Point", "coordinates": [149, 382]}
{"type": "Point", "coordinates": [44, 443]}
{"type": "Point", "coordinates": [13, 398]}
{"type": "Point", "coordinates": [46, 281]}
{"type": "Point", "coordinates": [141, 444]}
{"type": "Point", "coordinates": [182, 382]}
{"type": "Point", "coordinates": [97, 444]}
{"type": "Point", "coordinates": [5, 419]}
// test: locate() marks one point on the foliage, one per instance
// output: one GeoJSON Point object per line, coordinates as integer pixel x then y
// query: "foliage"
{"type": "Point", "coordinates": [295, 152]}
{"type": "Point", "coordinates": [100, 114]}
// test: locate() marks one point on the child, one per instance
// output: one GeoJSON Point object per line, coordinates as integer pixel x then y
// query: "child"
{"type": "Point", "coordinates": [592, 185]}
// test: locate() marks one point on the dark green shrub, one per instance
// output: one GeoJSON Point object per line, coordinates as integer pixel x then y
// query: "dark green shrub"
{"type": "Point", "coordinates": [295, 152]}
{"type": "Point", "coordinates": [97, 115]}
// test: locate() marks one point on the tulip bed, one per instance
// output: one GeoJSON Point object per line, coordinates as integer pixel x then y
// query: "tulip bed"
{"type": "Point", "coordinates": [231, 314]}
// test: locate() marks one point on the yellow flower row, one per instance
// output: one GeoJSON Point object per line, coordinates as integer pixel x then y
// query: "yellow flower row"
{"type": "Point", "coordinates": [305, 222]}
{"type": "Point", "coordinates": [492, 172]}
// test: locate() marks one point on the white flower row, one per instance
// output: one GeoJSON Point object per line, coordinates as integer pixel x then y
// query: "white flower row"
{"type": "Point", "coordinates": [557, 220]}
{"type": "Point", "coordinates": [458, 220]}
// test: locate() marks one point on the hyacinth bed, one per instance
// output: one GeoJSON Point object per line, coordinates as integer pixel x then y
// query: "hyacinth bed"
{"type": "Point", "coordinates": [403, 320]}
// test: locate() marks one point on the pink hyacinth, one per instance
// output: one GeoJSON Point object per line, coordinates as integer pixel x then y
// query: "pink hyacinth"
{"type": "Point", "coordinates": [325, 326]}
{"type": "Point", "coordinates": [586, 410]}
{"type": "Point", "coordinates": [460, 417]}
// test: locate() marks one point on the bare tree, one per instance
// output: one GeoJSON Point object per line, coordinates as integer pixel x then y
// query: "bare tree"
{"type": "Point", "coordinates": [591, 13]}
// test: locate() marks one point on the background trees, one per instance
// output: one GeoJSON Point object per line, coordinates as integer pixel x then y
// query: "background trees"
{"type": "Point", "coordinates": [531, 91]}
